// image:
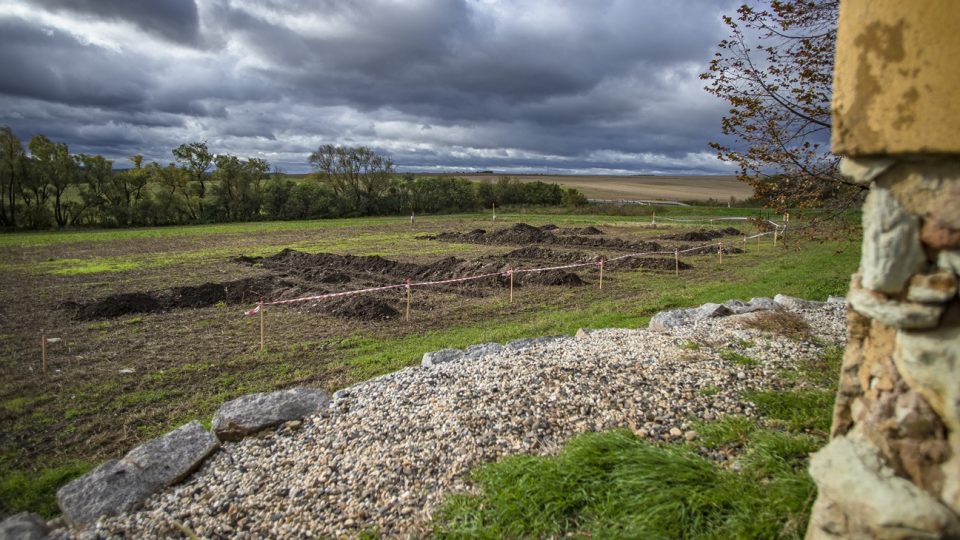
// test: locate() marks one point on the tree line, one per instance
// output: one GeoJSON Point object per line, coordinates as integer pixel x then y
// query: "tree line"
{"type": "Point", "coordinates": [44, 186]}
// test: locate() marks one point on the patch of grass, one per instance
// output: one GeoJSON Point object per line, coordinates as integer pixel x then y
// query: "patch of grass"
{"type": "Point", "coordinates": [779, 322]}
{"type": "Point", "coordinates": [822, 371]}
{"type": "Point", "coordinates": [727, 431]}
{"type": "Point", "coordinates": [690, 345]}
{"type": "Point", "coordinates": [739, 359]}
{"type": "Point", "coordinates": [35, 491]}
{"type": "Point", "coordinates": [614, 485]}
{"type": "Point", "coordinates": [799, 410]}
{"type": "Point", "coordinates": [709, 391]}
{"type": "Point", "coordinates": [135, 320]}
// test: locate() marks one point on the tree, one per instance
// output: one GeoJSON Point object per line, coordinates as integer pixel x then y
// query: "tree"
{"type": "Point", "coordinates": [196, 159]}
{"type": "Point", "coordinates": [779, 93]}
{"type": "Point", "coordinates": [55, 168]}
{"type": "Point", "coordinates": [12, 164]}
{"type": "Point", "coordinates": [357, 174]}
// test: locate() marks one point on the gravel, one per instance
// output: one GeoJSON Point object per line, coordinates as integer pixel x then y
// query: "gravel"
{"type": "Point", "coordinates": [384, 454]}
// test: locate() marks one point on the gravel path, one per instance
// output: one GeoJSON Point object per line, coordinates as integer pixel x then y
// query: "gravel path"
{"type": "Point", "coordinates": [385, 453]}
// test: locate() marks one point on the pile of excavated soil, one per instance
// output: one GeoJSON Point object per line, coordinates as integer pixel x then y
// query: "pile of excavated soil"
{"type": "Point", "coordinates": [654, 263]}
{"type": "Point", "coordinates": [521, 233]}
{"type": "Point", "coordinates": [702, 235]}
{"type": "Point", "coordinates": [547, 254]}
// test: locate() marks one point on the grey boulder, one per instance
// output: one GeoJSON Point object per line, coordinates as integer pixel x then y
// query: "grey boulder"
{"type": "Point", "coordinates": [518, 344]}
{"type": "Point", "coordinates": [483, 349]}
{"type": "Point", "coordinates": [120, 485]}
{"type": "Point", "coordinates": [792, 302]}
{"type": "Point", "coordinates": [442, 356]}
{"type": "Point", "coordinates": [674, 318]}
{"type": "Point", "coordinates": [255, 412]}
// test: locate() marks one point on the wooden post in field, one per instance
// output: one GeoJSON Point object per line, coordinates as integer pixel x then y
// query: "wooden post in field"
{"type": "Point", "coordinates": [494, 211]}
{"type": "Point", "coordinates": [775, 231]}
{"type": "Point", "coordinates": [676, 259]}
{"type": "Point", "coordinates": [720, 252]}
{"type": "Point", "coordinates": [654, 220]}
{"type": "Point", "coordinates": [43, 354]}
{"type": "Point", "coordinates": [409, 296]}
{"type": "Point", "coordinates": [758, 242]}
{"type": "Point", "coordinates": [601, 273]}
{"type": "Point", "coordinates": [510, 273]}
{"type": "Point", "coordinates": [260, 309]}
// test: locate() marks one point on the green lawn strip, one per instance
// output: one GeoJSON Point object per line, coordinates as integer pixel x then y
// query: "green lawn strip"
{"type": "Point", "coordinates": [509, 215]}
{"type": "Point", "coordinates": [35, 490]}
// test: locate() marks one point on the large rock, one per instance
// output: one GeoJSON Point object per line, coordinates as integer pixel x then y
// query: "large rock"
{"type": "Point", "coordinates": [442, 356]}
{"type": "Point", "coordinates": [483, 349]}
{"type": "Point", "coordinates": [674, 318]}
{"type": "Point", "coordinates": [518, 344]}
{"type": "Point", "coordinates": [23, 526]}
{"type": "Point", "coordinates": [891, 243]}
{"type": "Point", "coordinates": [738, 307]}
{"type": "Point", "coordinates": [792, 302]}
{"type": "Point", "coordinates": [930, 362]}
{"type": "Point", "coordinates": [120, 485]}
{"type": "Point", "coordinates": [872, 500]}
{"type": "Point", "coordinates": [254, 412]}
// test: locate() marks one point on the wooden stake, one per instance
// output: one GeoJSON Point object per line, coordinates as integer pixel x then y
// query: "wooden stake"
{"type": "Point", "coordinates": [261, 325]}
{"type": "Point", "coordinates": [510, 272]}
{"type": "Point", "coordinates": [494, 211]}
{"type": "Point", "coordinates": [676, 259]}
{"type": "Point", "coordinates": [775, 237]}
{"type": "Point", "coordinates": [601, 273]}
{"type": "Point", "coordinates": [43, 354]}
{"type": "Point", "coordinates": [720, 252]}
{"type": "Point", "coordinates": [409, 296]}
{"type": "Point", "coordinates": [654, 222]}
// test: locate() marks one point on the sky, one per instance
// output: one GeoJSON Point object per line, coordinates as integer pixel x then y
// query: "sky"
{"type": "Point", "coordinates": [514, 86]}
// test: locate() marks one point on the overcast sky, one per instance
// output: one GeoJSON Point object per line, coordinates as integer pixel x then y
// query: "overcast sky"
{"type": "Point", "coordinates": [577, 86]}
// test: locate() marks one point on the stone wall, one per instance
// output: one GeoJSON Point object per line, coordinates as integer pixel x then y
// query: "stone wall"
{"type": "Point", "coordinates": [892, 467]}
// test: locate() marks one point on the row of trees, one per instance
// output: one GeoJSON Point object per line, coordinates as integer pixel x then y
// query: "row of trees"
{"type": "Point", "coordinates": [48, 186]}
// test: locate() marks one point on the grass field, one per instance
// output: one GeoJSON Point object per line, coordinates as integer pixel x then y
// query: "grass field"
{"type": "Point", "coordinates": [669, 188]}
{"type": "Point", "coordinates": [114, 382]}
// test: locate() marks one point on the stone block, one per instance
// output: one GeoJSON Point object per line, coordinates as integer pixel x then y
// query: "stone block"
{"type": "Point", "coordinates": [875, 502]}
{"type": "Point", "coordinates": [120, 485]}
{"type": "Point", "coordinates": [930, 362]}
{"type": "Point", "coordinates": [891, 243]}
{"type": "Point", "coordinates": [864, 170]}
{"type": "Point", "coordinates": [949, 260]}
{"type": "Point", "coordinates": [936, 234]}
{"type": "Point", "coordinates": [933, 288]}
{"type": "Point", "coordinates": [898, 314]}
{"type": "Point", "coordinates": [254, 412]}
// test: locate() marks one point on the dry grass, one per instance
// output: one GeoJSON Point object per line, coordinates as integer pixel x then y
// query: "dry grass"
{"type": "Point", "coordinates": [672, 188]}
{"type": "Point", "coordinates": [779, 322]}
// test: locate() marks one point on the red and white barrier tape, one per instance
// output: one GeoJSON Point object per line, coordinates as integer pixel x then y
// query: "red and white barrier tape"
{"type": "Point", "coordinates": [506, 273]}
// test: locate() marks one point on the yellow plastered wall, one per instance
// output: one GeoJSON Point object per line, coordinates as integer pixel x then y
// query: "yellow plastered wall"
{"type": "Point", "coordinates": [897, 77]}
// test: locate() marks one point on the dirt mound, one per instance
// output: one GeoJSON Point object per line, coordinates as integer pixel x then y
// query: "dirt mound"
{"type": "Point", "coordinates": [542, 253]}
{"type": "Point", "coordinates": [119, 304]}
{"type": "Point", "coordinates": [709, 250]}
{"type": "Point", "coordinates": [362, 307]}
{"type": "Point", "coordinates": [587, 231]}
{"type": "Point", "coordinates": [549, 227]}
{"type": "Point", "coordinates": [633, 263]}
{"type": "Point", "coordinates": [553, 278]}
{"type": "Point", "coordinates": [521, 233]}
{"type": "Point", "coordinates": [702, 235]}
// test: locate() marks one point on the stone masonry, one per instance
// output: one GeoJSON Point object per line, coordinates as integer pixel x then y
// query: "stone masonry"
{"type": "Point", "coordinates": [892, 467]}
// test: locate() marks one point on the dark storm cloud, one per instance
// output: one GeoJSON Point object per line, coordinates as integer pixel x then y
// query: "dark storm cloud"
{"type": "Point", "coordinates": [176, 20]}
{"type": "Point", "coordinates": [538, 85]}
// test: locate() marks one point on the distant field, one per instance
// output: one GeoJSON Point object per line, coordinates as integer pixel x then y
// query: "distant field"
{"type": "Point", "coordinates": [671, 188]}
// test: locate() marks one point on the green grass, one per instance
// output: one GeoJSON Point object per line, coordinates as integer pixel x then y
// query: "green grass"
{"type": "Point", "coordinates": [35, 491]}
{"type": "Point", "coordinates": [615, 485]}
{"type": "Point", "coordinates": [739, 359]}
